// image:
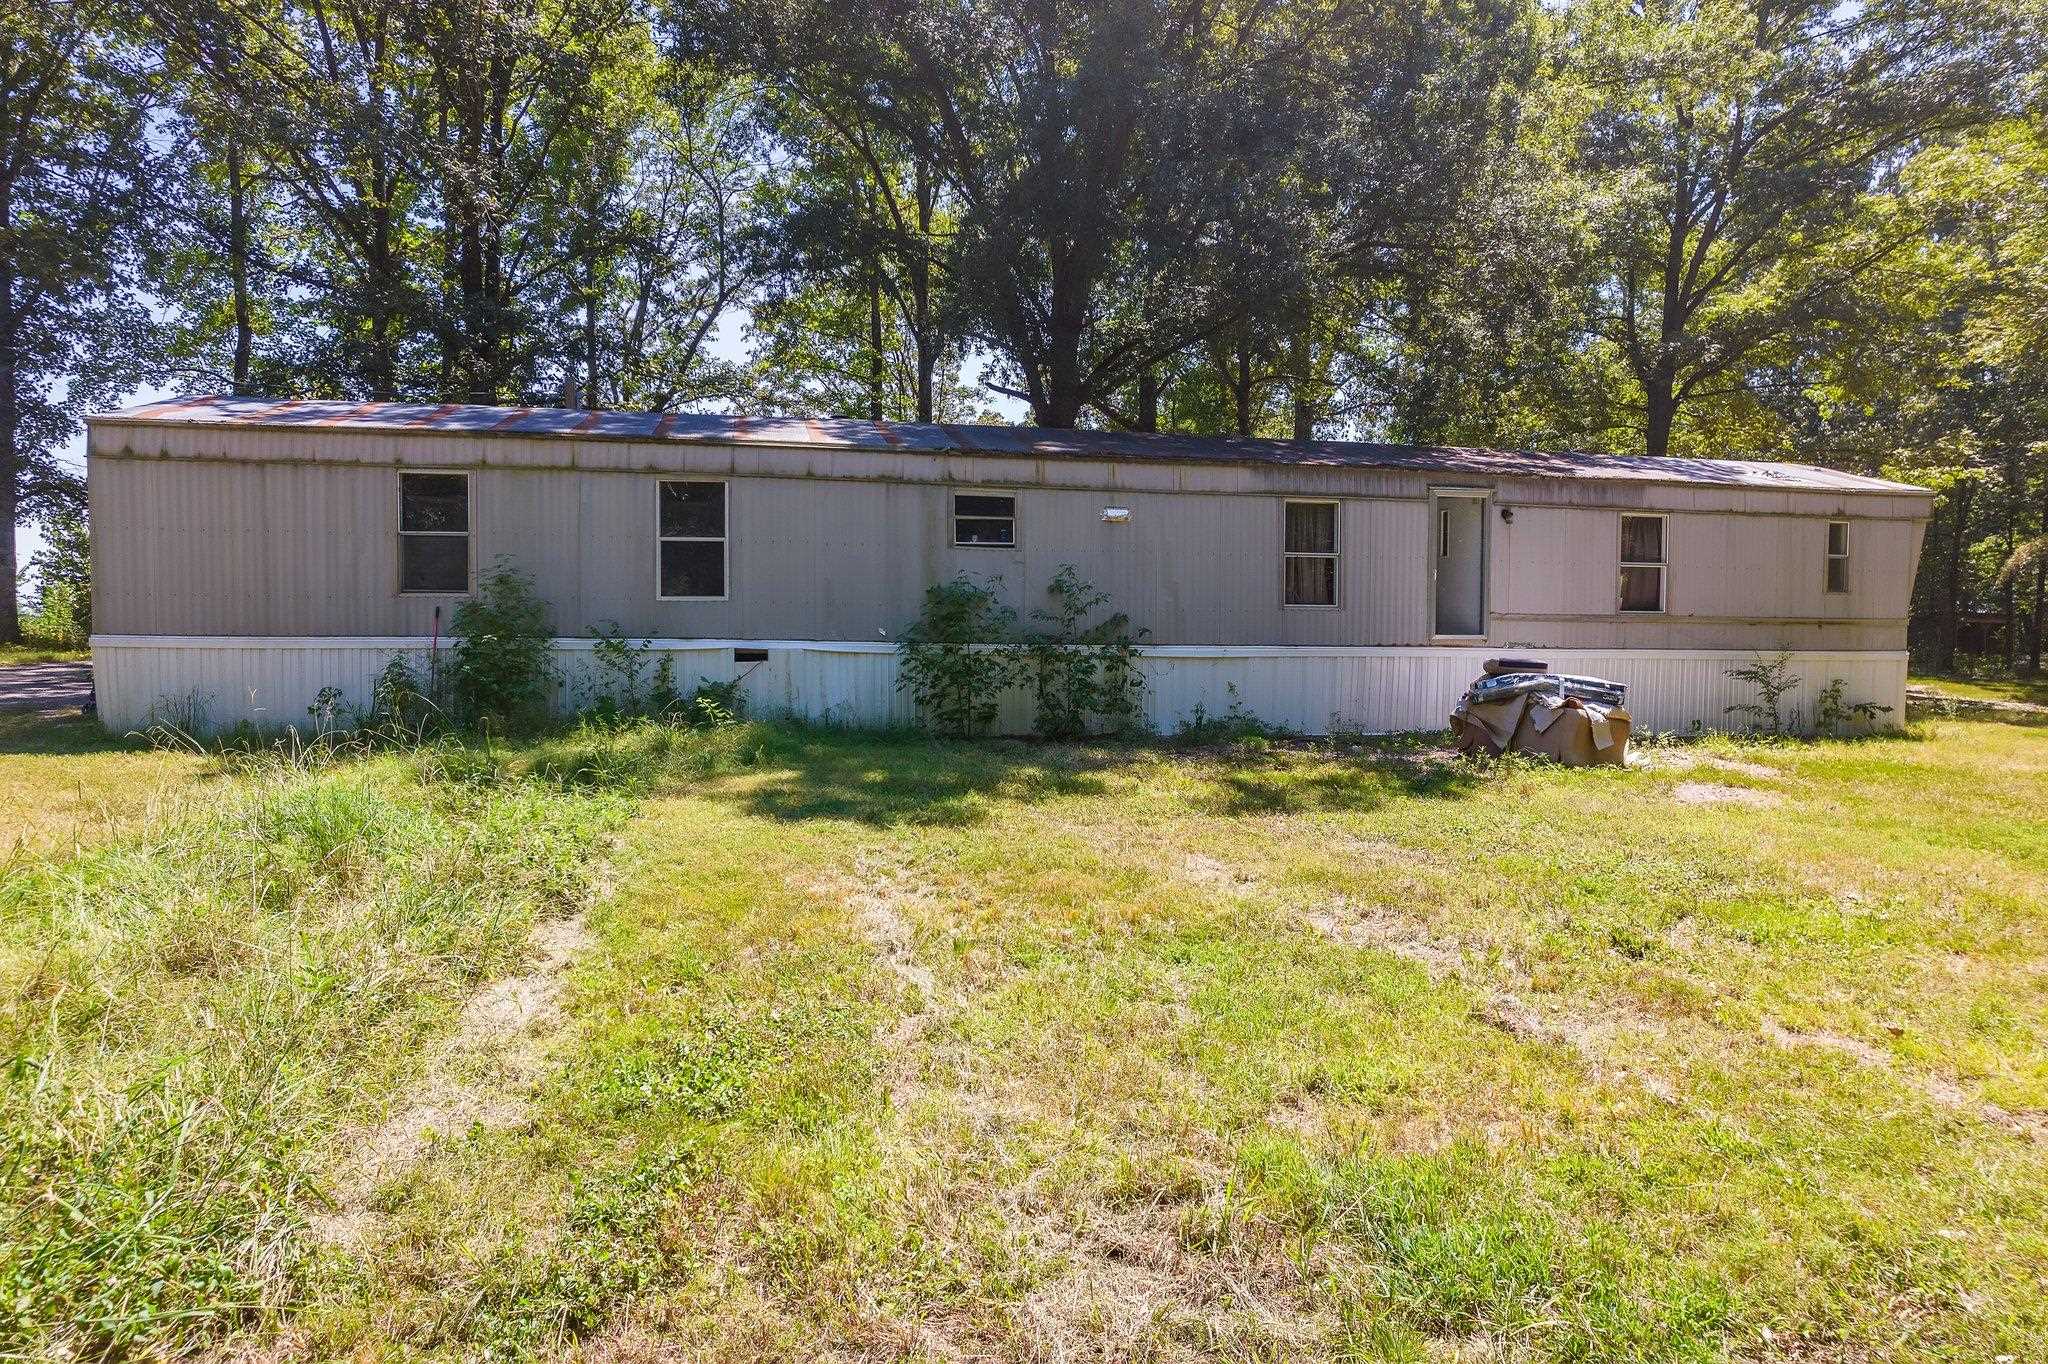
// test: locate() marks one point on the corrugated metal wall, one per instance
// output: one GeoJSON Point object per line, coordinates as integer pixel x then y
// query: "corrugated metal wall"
{"type": "Point", "coordinates": [194, 547]}
{"type": "Point", "coordinates": [210, 683]}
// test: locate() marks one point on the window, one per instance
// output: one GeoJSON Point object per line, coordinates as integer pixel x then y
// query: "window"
{"type": "Point", "coordinates": [433, 532]}
{"type": "Point", "coordinates": [1838, 556]}
{"type": "Point", "coordinates": [1310, 555]}
{"type": "Point", "coordinates": [692, 536]}
{"type": "Point", "coordinates": [1642, 563]}
{"type": "Point", "coordinates": [984, 519]}
{"type": "Point", "coordinates": [1443, 533]}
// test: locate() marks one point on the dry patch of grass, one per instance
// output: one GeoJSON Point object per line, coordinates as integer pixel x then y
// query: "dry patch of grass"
{"type": "Point", "coordinates": [65, 785]}
{"type": "Point", "coordinates": [1710, 793]}
{"type": "Point", "coordinates": [480, 1078]}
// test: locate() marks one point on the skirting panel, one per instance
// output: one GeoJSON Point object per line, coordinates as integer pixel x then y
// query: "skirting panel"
{"type": "Point", "coordinates": [215, 682]}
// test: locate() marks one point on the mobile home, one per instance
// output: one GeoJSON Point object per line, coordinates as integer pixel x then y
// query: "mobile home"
{"type": "Point", "coordinates": [248, 553]}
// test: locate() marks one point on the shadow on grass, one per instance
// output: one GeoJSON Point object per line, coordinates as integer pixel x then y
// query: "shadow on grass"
{"type": "Point", "coordinates": [24, 731]}
{"type": "Point", "coordinates": [1342, 782]}
{"type": "Point", "coordinates": [903, 778]}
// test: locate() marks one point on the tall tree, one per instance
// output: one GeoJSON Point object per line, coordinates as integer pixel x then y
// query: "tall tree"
{"type": "Point", "coordinates": [329, 96]}
{"type": "Point", "coordinates": [76, 94]}
{"type": "Point", "coordinates": [507, 81]}
{"type": "Point", "coordinates": [1127, 177]}
{"type": "Point", "coordinates": [661, 236]}
{"type": "Point", "coordinates": [1737, 138]}
{"type": "Point", "coordinates": [209, 256]}
{"type": "Point", "coordinates": [861, 312]}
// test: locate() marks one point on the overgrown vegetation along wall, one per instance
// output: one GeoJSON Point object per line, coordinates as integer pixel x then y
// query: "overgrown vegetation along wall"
{"type": "Point", "coordinates": [272, 682]}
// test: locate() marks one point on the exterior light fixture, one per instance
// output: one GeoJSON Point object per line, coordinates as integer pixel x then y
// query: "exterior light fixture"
{"type": "Point", "coordinates": [1116, 516]}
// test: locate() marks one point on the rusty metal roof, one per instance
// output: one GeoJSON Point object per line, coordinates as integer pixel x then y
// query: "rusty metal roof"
{"type": "Point", "coordinates": [1025, 441]}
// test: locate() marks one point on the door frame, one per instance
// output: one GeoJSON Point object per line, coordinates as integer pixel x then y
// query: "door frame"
{"type": "Point", "coordinates": [1483, 496]}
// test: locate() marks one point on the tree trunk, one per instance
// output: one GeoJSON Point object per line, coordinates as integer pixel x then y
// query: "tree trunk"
{"type": "Point", "coordinates": [1063, 387]}
{"type": "Point", "coordinates": [1660, 404]}
{"type": "Point", "coordinates": [875, 368]}
{"type": "Point", "coordinates": [10, 424]}
{"type": "Point", "coordinates": [1148, 398]}
{"type": "Point", "coordinates": [382, 286]}
{"type": "Point", "coordinates": [1960, 499]}
{"type": "Point", "coordinates": [921, 294]}
{"type": "Point", "coordinates": [2040, 602]}
{"type": "Point", "coordinates": [2040, 591]}
{"type": "Point", "coordinates": [2008, 592]}
{"type": "Point", "coordinates": [1241, 386]}
{"type": "Point", "coordinates": [592, 395]}
{"type": "Point", "coordinates": [238, 264]}
{"type": "Point", "coordinates": [1304, 405]}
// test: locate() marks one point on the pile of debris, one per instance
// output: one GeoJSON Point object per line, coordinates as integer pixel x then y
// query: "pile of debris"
{"type": "Point", "coordinates": [1520, 706]}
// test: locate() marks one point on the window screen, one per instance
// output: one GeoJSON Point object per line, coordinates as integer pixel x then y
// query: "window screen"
{"type": "Point", "coordinates": [1642, 563]}
{"type": "Point", "coordinates": [1838, 556]}
{"type": "Point", "coordinates": [1309, 560]}
{"type": "Point", "coordinates": [433, 532]}
{"type": "Point", "coordinates": [693, 540]}
{"type": "Point", "coordinates": [984, 519]}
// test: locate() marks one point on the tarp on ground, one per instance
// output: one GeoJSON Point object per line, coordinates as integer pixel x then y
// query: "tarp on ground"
{"type": "Point", "coordinates": [1575, 732]}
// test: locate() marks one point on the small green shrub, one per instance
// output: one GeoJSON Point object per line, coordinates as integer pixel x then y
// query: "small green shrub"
{"type": "Point", "coordinates": [963, 652]}
{"type": "Point", "coordinates": [1773, 679]}
{"type": "Point", "coordinates": [959, 656]}
{"type": "Point", "coordinates": [1235, 726]}
{"type": "Point", "coordinates": [1836, 716]}
{"type": "Point", "coordinates": [503, 664]}
{"type": "Point", "coordinates": [402, 707]}
{"type": "Point", "coordinates": [1082, 676]}
{"type": "Point", "coordinates": [712, 705]}
{"type": "Point", "coordinates": [618, 664]}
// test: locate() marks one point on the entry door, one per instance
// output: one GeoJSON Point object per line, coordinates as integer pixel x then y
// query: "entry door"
{"type": "Point", "coordinates": [1460, 550]}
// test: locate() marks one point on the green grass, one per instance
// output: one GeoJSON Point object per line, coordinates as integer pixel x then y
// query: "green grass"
{"type": "Point", "coordinates": [65, 784]}
{"type": "Point", "coordinates": [887, 1048]}
{"type": "Point", "coordinates": [41, 651]}
{"type": "Point", "coordinates": [197, 1008]}
{"type": "Point", "coordinates": [2034, 691]}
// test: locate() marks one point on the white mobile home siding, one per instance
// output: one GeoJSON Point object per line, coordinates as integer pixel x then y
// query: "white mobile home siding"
{"type": "Point", "coordinates": [285, 541]}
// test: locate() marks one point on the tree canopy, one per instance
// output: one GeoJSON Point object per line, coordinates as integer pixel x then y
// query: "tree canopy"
{"type": "Point", "coordinates": [1773, 228]}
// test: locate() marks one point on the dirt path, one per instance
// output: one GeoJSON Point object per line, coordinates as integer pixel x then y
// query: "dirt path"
{"type": "Point", "coordinates": [482, 1076]}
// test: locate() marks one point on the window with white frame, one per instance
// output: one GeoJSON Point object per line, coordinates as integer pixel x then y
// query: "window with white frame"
{"type": "Point", "coordinates": [692, 540]}
{"type": "Point", "coordinates": [1838, 556]}
{"type": "Point", "coordinates": [1642, 563]}
{"type": "Point", "coordinates": [1309, 554]}
{"type": "Point", "coordinates": [985, 519]}
{"type": "Point", "coordinates": [433, 533]}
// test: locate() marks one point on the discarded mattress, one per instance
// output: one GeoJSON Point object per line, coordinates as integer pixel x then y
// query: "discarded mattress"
{"type": "Point", "coordinates": [1579, 721]}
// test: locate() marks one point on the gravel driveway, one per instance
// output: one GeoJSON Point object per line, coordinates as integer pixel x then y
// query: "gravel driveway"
{"type": "Point", "coordinates": [45, 686]}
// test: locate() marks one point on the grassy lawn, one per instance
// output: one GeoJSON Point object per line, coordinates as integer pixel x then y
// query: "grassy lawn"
{"type": "Point", "coordinates": [36, 651]}
{"type": "Point", "coordinates": [790, 1044]}
{"type": "Point", "coordinates": [65, 783]}
{"type": "Point", "coordinates": [2033, 691]}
